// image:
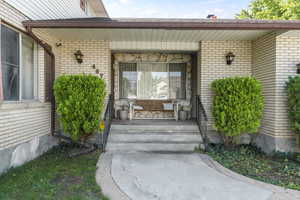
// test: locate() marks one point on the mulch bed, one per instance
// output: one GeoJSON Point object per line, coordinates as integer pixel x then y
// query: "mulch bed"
{"type": "Point", "coordinates": [278, 169]}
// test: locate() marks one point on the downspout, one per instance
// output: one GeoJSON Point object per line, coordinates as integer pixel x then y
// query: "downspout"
{"type": "Point", "coordinates": [48, 49]}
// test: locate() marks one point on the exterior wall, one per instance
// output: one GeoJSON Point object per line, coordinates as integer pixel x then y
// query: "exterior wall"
{"type": "Point", "coordinates": [271, 59]}
{"type": "Point", "coordinates": [275, 59]}
{"type": "Point", "coordinates": [96, 53]}
{"type": "Point", "coordinates": [287, 57]}
{"type": "Point", "coordinates": [264, 70]}
{"type": "Point", "coordinates": [24, 126]}
{"type": "Point", "coordinates": [212, 65]}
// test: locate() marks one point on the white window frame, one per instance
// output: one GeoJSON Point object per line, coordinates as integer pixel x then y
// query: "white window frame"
{"type": "Point", "coordinates": [35, 67]}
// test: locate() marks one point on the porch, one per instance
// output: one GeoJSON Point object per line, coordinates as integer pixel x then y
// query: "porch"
{"type": "Point", "coordinates": [261, 49]}
{"type": "Point", "coordinates": [153, 85]}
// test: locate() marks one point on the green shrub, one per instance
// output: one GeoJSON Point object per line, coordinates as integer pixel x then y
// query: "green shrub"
{"type": "Point", "coordinates": [79, 100]}
{"type": "Point", "coordinates": [293, 94]}
{"type": "Point", "coordinates": [237, 106]}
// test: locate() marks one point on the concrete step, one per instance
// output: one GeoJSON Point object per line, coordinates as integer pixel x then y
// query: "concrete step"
{"type": "Point", "coordinates": [156, 132]}
{"type": "Point", "coordinates": [153, 138]}
{"type": "Point", "coordinates": [154, 128]}
{"type": "Point", "coordinates": [153, 147]}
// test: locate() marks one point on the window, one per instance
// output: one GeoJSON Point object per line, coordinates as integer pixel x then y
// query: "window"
{"type": "Point", "coordinates": [153, 80]}
{"type": "Point", "coordinates": [177, 72]}
{"type": "Point", "coordinates": [17, 65]}
{"type": "Point", "coordinates": [128, 80]}
{"type": "Point", "coordinates": [84, 6]}
{"type": "Point", "coordinates": [27, 68]}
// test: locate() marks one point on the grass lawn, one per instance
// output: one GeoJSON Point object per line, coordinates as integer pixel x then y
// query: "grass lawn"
{"type": "Point", "coordinates": [53, 176]}
{"type": "Point", "coordinates": [279, 169]}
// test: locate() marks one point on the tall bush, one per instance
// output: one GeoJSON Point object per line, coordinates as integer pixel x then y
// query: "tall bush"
{"type": "Point", "coordinates": [293, 95]}
{"type": "Point", "coordinates": [237, 106]}
{"type": "Point", "coordinates": [79, 100]}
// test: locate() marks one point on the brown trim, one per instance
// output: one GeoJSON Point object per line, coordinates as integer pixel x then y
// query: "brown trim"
{"type": "Point", "coordinates": [48, 50]}
{"type": "Point", "coordinates": [30, 34]}
{"type": "Point", "coordinates": [49, 74]}
{"type": "Point", "coordinates": [184, 25]}
{"type": "Point", "coordinates": [14, 27]}
{"type": "Point", "coordinates": [1, 86]}
{"type": "Point", "coordinates": [46, 46]}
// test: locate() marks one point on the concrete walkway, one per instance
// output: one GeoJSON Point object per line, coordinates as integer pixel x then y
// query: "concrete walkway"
{"type": "Point", "coordinates": [152, 176]}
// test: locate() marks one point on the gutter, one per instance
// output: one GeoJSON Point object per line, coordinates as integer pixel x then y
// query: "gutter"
{"type": "Point", "coordinates": [48, 49]}
{"type": "Point", "coordinates": [169, 25]}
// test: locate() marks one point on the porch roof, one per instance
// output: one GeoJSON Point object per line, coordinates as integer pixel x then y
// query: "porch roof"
{"type": "Point", "coordinates": [160, 30]}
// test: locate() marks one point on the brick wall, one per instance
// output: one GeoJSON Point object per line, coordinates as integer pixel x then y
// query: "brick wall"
{"type": "Point", "coordinates": [287, 57]}
{"type": "Point", "coordinates": [274, 60]}
{"type": "Point", "coordinates": [212, 65]}
{"type": "Point", "coordinates": [264, 62]}
{"type": "Point", "coordinates": [96, 52]}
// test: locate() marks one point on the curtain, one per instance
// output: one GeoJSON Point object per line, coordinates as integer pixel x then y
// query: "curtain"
{"type": "Point", "coordinates": [177, 78]}
{"type": "Point", "coordinates": [152, 81]}
{"type": "Point", "coordinates": [128, 80]}
{"type": "Point", "coordinates": [27, 68]}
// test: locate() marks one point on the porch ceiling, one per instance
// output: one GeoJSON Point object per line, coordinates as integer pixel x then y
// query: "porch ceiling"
{"type": "Point", "coordinates": [294, 33]}
{"type": "Point", "coordinates": [152, 35]}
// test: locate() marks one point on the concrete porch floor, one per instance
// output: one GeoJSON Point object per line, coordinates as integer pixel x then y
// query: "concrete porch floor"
{"type": "Point", "coordinates": [154, 122]}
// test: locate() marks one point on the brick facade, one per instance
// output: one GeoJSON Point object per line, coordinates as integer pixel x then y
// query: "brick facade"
{"type": "Point", "coordinates": [271, 59]}
{"type": "Point", "coordinates": [212, 65]}
{"type": "Point", "coordinates": [96, 53]}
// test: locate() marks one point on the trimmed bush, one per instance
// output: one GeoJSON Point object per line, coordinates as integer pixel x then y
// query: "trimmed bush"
{"type": "Point", "coordinates": [237, 107]}
{"type": "Point", "coordinates": [293, 94]}
{"type": "Point", "coordinates": [79, 100]}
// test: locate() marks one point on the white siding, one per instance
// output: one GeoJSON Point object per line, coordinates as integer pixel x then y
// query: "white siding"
{"type": "Point", "coordinates": [135, 45]}
{"type": "Point", "coordinates": [53, 9]}
{"type": "Point", "coordinates": [21, 125]}
{"type": "Point", "coordinates": [20, 122]}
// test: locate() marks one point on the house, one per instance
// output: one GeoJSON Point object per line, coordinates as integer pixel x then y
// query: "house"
{"type": "Point", "coordinates": [149, 59]}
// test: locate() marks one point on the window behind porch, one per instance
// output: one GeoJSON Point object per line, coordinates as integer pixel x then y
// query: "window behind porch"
{"type": "Point", "coordinates": [153, 80]}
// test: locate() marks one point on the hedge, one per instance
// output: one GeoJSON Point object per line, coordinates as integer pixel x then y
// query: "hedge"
{"type": "Point", "coordinates": [79, 100]}
{"type": "Point", "coordinates": [293, 95]}
{"type": "Point", "coordinates": [237, 106]}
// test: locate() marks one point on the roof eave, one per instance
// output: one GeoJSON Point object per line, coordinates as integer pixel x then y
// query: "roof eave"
{"type": "Point", "coordinates": [114, 24]}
